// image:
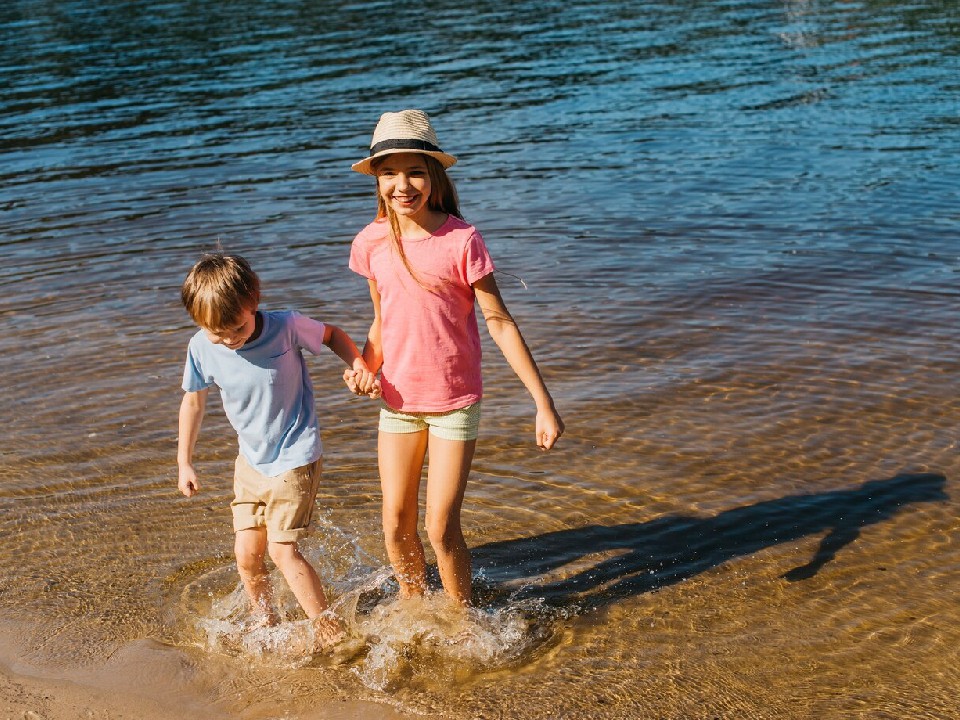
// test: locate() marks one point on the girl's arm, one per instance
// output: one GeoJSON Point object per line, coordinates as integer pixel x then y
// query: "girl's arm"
{"type": "Point", "coordinates": [506, 334]}
{"type": "Point", "coordinates": [191, 417]}
{"type": "Point", "coordinates": [372, 349]}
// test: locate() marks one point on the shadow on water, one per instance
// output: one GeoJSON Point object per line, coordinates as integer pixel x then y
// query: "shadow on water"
{"type": "Point", "coordinates": [668, 550]}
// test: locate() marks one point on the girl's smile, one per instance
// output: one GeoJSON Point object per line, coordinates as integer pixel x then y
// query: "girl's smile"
{"type": "Point", "coordinates": [404, 184]}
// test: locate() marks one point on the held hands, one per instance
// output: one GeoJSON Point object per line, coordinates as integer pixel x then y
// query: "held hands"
{"type": "Point", "coordinates": [187, 481]}
{"type": "Point", "coordinates": [362, 382]}
{"type": "Point", "coordinates": [549, 428]}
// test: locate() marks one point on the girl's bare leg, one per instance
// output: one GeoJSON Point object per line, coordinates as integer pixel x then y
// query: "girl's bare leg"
{"type": "Point", "coordinates": [401, 464]}
{"type": "Point", "coordinates": [250, 546]}
{"type": "Point", "coordinates": [449, 468]}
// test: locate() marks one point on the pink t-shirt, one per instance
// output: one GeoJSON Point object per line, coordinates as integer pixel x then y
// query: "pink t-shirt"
{"type": "Point", "coordinates": [431, 344]}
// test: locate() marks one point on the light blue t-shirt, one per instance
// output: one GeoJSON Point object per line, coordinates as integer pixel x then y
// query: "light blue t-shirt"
{"type": "Point", "coordinates": [265, 389]}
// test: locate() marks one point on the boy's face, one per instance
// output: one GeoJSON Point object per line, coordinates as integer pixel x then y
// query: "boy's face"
{"type": "Point", "coordinates": [236, 336]}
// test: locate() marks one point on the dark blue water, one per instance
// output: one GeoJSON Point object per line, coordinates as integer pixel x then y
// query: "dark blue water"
{"type": "Point", "coordinates": [736, 225]}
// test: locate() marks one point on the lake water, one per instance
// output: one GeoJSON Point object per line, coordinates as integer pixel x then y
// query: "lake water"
{"type": "Point", "coordinates": [737, 229]}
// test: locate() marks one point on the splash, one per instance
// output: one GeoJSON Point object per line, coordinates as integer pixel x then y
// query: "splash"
{"type": "Point", "coordinates": [426, 643]}
{"type": "Point", "coordinates": [430, 643]}
{"type": "Point", "coordinates": [419, 643]}
{"type": "Point", "coordinates": [230, 629]}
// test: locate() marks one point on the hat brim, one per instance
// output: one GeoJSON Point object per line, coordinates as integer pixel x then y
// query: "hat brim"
{"type": "Point", "coordinates": [365, 166]}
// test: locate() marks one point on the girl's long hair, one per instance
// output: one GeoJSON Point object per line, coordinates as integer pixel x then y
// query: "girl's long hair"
{"type": "Point", "coordinates": [443, 198]}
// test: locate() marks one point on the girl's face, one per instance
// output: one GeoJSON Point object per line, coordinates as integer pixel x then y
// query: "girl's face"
{"type": "Point", "coordinates": [235, 336]}
{"type": "Point", "coordinates": [403, 182]}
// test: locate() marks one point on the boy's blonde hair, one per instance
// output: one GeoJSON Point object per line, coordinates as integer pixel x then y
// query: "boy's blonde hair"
{"type": "Point", "coordinates": [218, 289]}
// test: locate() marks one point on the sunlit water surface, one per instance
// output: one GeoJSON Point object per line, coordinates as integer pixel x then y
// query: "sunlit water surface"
{"type": "Point", "coordinates": [736, 225]}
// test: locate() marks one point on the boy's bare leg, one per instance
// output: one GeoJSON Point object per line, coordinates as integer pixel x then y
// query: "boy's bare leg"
{"type": "Point", "coordinates": [305, 585]}
{"type": "Point", "coordinates": [300, 576]}
{"type": "Point", "coordinates": [250, 547]}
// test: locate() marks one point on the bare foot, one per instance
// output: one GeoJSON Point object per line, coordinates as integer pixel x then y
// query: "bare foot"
{"type": "Point", "coordinates": [263, 620]}
{"type": "Point", "coordinates": [327, 632]}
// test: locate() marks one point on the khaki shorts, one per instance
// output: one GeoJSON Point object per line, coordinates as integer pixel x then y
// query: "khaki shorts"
{"type": "Point", "coordinates": [282, 504]}
{"type": "Point", "coordinates": [462, 424]}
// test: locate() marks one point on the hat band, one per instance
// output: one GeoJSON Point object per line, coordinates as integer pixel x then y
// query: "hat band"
{"type": "Point", "coordinates": [403, 144]}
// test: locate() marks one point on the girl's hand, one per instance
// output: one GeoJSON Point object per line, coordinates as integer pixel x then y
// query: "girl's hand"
{"type": "Point", "coordinates": [549, 428]}
{"type": "Point", "coordinates": [187, 481]}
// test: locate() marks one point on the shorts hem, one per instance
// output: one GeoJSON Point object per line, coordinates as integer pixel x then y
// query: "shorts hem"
{"type": "Point", "coordinates": [287, 536]}
{"type": "Point", "coordinates": [247, 523]}
{"type": "Point", "coordinates": [447, 434]}
{"type": "Point", "coordinates": [279, 536]}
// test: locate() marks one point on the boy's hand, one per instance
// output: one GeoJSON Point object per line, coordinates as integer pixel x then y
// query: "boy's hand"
{"type": "Point", "coordinates": [362, 382]}
{"type": "Point", "coordinates": [549, 428]}
{"type": "Point", "coordinates": [367, 383]}
{"type": "Point", "coordinates": [350, 378]}
{"type": "Point", "coordinates": [187, 482]}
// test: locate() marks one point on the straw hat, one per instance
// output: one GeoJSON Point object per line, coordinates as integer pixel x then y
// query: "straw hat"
{"type": "Point", "coordinates": [404, 131]}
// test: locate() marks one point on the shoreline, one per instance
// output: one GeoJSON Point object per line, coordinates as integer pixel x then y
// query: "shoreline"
{"type": "Point", "coordinates": [171, 683]}
{"type": "Point", "coordinates": [34, 698]}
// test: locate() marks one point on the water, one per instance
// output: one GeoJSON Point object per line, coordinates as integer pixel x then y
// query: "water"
{"type": "Point", "coordinates": [736, 223]}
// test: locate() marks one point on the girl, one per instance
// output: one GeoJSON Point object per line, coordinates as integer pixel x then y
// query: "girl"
{"type": "Point", "coordinates": [426, 268]}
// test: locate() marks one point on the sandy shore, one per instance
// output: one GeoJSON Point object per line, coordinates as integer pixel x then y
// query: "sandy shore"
{"type": "Point", "coordinates": [145, 680]}
{"type": "Point", "coordinates": [27, 698]}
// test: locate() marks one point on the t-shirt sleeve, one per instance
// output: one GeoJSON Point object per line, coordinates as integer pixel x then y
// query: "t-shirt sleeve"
{"type": "Point", "coordinates": [194, 378]}
{"type": "Point", "coordinates": [360, 256]}
{"type": "Point", "coordinates": [308, 333]}
{"type": "Point", "coordinates": [477, 258]}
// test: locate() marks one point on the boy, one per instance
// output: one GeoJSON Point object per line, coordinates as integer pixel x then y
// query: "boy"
{"type": "Point", "coordinates": [255, 359]}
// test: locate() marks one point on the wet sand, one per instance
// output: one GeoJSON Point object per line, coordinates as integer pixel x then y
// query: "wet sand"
{"type": "Point", "coordinates": [31, 698]}
{"type": "Point", "coordinates": [170, 686]}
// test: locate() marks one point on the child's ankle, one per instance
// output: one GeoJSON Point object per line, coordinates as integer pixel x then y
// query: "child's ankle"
{"type": "Point", "coordinates": [265, 619]}
{"type": "Point", "coordinates": [328, 630]}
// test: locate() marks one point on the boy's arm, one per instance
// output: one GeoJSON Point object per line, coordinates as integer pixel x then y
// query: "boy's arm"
{"type": "Point", "coordinates": [358, 377]}
{"type": "Point", "coordinates": [191, 417]}
{"type": "Point", "coordinates": [505, 333]}
{"type": "Point", "coordinates": [364, 382]}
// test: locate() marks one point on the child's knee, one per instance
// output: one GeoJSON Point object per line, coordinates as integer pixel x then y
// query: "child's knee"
{"type": "Point", "coordinates": [283, 552]}
{"type": "Point", "coordinates": [249, 547]}
{"type": "Point", "coordinates": [250, 563]}
{"type": "Point", "coordinates": [399, 524]}
{"type": "Point", "coordinates": [444, 534]}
